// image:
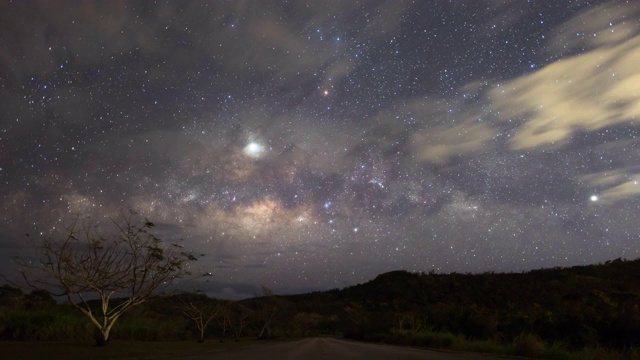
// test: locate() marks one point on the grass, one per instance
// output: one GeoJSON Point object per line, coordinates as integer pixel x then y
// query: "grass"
{"type": "Point", "coordinates": [524, 346]}
{"type": "Point", "coordinates": [117, 349]}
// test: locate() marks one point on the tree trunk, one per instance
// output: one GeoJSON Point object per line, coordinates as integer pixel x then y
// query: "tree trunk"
{"type": "Point", "coordinates": [102, 337]}
{"type": "Point", "coordinates": [263, 331]}
{"type": "Point", "coordinates": [201, 340]}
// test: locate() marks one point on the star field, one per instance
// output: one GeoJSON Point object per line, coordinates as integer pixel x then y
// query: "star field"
{"type": "Point", "coordinates": [307, 145]}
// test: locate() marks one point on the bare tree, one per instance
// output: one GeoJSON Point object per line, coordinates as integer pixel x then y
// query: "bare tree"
{"type": "Point", "coordinates": [200, 309]}
{"type": "Point", "coordinates": [224, 317]}
{"type": "Point", "coordinates": [270, 307]}
{"type": "Point", "coordinates": [83, 264]}
{"type": "Point", "coordinates": [240, 320]}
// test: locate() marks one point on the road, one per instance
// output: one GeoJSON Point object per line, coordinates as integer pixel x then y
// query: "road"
{"type": "Point", "coordinates": [331, 349]}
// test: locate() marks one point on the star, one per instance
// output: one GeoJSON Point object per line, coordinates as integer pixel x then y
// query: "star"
{"type": "Point", "coordinates": [253, 150]}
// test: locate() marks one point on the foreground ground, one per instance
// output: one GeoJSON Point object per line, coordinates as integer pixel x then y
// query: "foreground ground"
{"type": "Point", "coordinates": [117, 349]}
{"type": "Point", "coordinates": [308, 349]}
{"type": "Point", "coordinates": [330, 349]}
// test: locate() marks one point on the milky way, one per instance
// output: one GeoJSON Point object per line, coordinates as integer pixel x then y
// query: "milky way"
{"type": "Point", "coordinates": [307, 145]}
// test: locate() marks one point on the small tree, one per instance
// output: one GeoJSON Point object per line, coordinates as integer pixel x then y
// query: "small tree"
{"type": "Point", "coordinates": [83, 264]}
{"type": "Point", "coordinates": [200, 309]}
{"type": "Point", "coordinates": [240, 319]}
{"type": "Point", "coordinates": [224, 316]}
{"type": "Point", "coordinates": [270, 305]}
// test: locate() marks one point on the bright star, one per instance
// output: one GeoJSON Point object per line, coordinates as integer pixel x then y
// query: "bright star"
{"type": "Point", "coordinates": [594, 198]}
{"type": "Point", "coordinates": [253, 150]}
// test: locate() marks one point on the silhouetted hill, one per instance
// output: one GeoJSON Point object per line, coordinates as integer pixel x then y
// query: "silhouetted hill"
{"type": "Point", "coordinates": [619, 279]}
{"type": "Point", "coordinates": [581, 306]}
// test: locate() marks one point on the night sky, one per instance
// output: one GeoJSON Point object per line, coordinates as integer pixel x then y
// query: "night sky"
{"type": "Point", "coordinates": [307, 145]}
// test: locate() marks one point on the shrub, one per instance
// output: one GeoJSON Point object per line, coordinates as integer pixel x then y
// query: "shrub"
{"type": "Point", "coordinates": [528, 345]}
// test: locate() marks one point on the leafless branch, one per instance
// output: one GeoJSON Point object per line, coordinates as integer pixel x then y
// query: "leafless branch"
{"type": "Point", "coordinates": [83, 263]}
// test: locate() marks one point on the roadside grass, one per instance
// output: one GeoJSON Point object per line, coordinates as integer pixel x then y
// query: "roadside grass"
{"type": "Point", "coordinates": [117, 349]}
{"type": "Point", "coordinates": [523, 346]}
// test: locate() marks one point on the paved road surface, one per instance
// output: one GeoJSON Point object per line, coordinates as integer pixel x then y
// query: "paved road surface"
{"type": "Point", "coordinates": [331, 349]}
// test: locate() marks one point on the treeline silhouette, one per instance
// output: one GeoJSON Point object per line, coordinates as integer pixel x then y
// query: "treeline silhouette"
{"type": "Point", "coordinates": [579, 312]}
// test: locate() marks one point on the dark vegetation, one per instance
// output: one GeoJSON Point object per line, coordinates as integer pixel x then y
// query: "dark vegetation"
{"type": "Point", "coordinates": [585, 312]}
